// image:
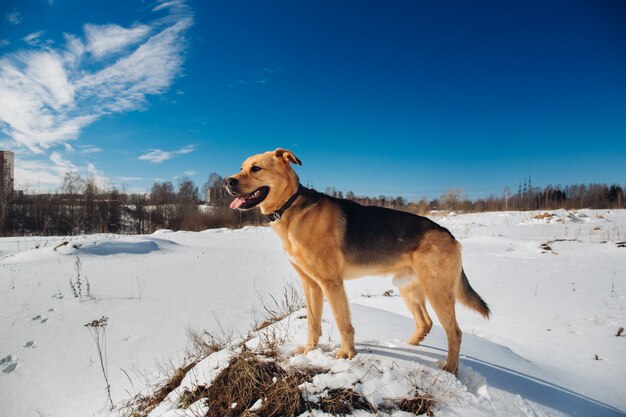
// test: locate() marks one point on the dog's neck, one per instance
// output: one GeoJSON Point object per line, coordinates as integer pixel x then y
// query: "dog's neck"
{"type": "Point", "coordinates": [283, 195]}
{"type": "Point", "coordinates": [277, 214]}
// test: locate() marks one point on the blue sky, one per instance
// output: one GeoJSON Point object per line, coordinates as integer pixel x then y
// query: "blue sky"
{"type": "Point", "coordinates": [403, 98]}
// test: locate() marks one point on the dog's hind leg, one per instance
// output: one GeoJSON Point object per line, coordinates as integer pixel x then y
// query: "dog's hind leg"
{"type": "Point", "coordinates": [415, 299]}
{"type": "Point", "coordinates": [442, 301]}
{"type": "Point", "coordinates": [438, 268]}
{"type": "Point", "coordinates": [314, 304]}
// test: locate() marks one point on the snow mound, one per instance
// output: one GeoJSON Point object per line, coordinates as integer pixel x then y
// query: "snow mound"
{"type": "Point", "coordinates": [386, 371]}
{"type": "Point", "coordinates": [118, 247]}
{"type": "Point", "coordinates": [97, 245]}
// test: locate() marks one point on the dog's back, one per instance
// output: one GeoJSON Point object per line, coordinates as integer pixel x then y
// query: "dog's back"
{"type": "Point", "coordinates": [373, 234]}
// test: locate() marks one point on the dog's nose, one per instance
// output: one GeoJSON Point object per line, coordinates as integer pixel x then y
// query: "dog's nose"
{"type": "Point", "coordinates": [231, 182]}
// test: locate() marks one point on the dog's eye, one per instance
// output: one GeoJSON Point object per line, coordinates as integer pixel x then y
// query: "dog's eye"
{"type": "Point", "coordinates": [255, 168]}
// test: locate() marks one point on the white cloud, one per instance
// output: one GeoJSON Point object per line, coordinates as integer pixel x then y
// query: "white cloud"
{"type": "Point", "coordinates": [62, 163]}
{"type": "Point", "coordinates": [33, 38]}
{"type": "Point", "coordinates": [156, 156]}
{"type": "Point", "coordinates": [4, 42]}
{"type": "Point", "coordinates": [45, 173]}
{"type": "Point", "coordinates": [48, 95]}
{"type": "Point", "coordinates": [41, 174]}
{"type": "Point", "coordinates": [107, 39]}
{"type": "Point", "coordinates": [14, 17]}
{"type": "Point", "coordinates": [150, 69]}
{"type": "Point", "coordinates": [37, 175]}
{"type": "Point", "coordinates": [172, 4]}
{"type": "Point", "coordinates": [186, 149]}
{"type": "Point", "coordinates": [89, 149]}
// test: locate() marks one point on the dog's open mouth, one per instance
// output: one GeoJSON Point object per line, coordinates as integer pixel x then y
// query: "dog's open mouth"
{"type": "Point", "coordinates": [248, 201]}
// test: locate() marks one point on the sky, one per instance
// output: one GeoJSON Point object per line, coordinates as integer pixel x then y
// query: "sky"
{"type": "Point", "coordinates": [408, 98]}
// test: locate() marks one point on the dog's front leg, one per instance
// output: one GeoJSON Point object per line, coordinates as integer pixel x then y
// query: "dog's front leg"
{"type": "Point", "coordinates": [336, 295]}
{"type": "Point", "coordinates": [314, 303]}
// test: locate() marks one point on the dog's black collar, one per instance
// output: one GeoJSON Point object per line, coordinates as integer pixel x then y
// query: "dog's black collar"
{"type": "Point", "coordinates": [275, 215]}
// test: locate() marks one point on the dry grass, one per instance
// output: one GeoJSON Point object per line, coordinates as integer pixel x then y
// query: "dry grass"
{"type": "Point", "coordinates": [542, 216]}
{"type": "Point", "coordinates": [418, 405]}
{"type": "Point", "coordinates": [342, 401]}
{"type": "Point", "coordinates": [250, 377]}
{"type": "Point", "coordinates": [201, 343]}
{"type": "Point", "coordinates": [189, 397]}
{"type": "Point", "coordinates": [277, 309]}
{"type": "Point", "coordinates": [142, 405]}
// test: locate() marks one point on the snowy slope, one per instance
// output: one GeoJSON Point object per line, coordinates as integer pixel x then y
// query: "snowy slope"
{"type": "Point", "coordinates": [555, 307]}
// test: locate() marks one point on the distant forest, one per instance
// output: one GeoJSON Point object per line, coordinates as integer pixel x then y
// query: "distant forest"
{"type": "Point", "coordinates": [82, 206]}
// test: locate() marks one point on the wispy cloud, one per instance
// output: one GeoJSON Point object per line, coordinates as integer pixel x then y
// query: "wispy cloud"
{"type": "Point", "coordinates": [102, 40]}
{"type": "Point", "coordinates": [48, 95]}
{"type": "Point", "coordinates": [172, 4]}
{"type": "Point", "coordinates": [42, 172]}
{"type": "Point", "coordinates": [156, 156]}
{"type": "Point", "coordinates": [4, 42]}
{"type": "Point", "coordinates": [89, 149]}
{"type": "Point", "coordinates": [14, 17]}
{"type": "Point", "coordinates": [33, 38]}
{"type": "Point", "coordinates": [37, 174]}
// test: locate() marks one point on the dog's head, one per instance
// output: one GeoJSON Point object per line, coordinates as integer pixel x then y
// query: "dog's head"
{"type": "Point", "coordinates": [266, 180]}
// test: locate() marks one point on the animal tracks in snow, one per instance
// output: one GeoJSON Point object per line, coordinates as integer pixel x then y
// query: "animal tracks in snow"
{"type": "Point", "coordinates": [40, 318]}
{"type": "Point", "coordinates": [8, 364]}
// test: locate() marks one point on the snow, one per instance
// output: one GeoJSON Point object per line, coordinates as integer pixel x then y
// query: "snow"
{"type": "Point", "coordinates": [556, 308]}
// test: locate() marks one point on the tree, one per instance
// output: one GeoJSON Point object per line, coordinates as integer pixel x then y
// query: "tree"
{"type": "Point", "coordinates": [5, 201]}
{"type": "Point", "coordinates": [162, 197]}
{"type": "Point", "coordinates": [214, 191]}
{"type": "Point", "coordinates": [450, 199]}
{"type": "Point", "coordinates": [72, 183]}
{"type": "Point", "coordinates": [506, 198]}
{"type": "Point", "coordinates": [615, 195]}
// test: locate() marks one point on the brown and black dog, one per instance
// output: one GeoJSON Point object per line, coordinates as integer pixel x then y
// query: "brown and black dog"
{"type": "Point", "coordinates": [329, 240]}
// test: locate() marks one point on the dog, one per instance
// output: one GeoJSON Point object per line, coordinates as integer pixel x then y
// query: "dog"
{"type": "Point", "coordinates": [329, 240]}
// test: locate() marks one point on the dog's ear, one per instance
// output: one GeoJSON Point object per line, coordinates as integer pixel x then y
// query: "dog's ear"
{"type": "Point", "coordinates": [287, 156]}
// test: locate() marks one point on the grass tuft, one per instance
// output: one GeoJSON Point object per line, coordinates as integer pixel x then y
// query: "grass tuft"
{"type": "Point", "coordinates": [248, 378]}
{"type": "Point", "coordinates": [418, 405]}
{"type": "Point", "coordinates": [343, 401]}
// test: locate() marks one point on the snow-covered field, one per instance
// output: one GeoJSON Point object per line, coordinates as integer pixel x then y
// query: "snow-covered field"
{"type": "Point", "coordinates": [556, 284]}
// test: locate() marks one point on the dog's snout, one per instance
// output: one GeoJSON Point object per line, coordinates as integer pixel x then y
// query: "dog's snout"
{"type": "Point", "coordinates": [231, 182]}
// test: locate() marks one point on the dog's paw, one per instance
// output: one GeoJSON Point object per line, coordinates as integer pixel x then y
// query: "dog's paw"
{"type": "Point", "coordinates": [345, 354]}
{"type": "Point", "coordinates": [450, 367]}
{"type": "Point", "coordinates": [416, 338]}
{"type": "Point", "coordinates": [303, 350]}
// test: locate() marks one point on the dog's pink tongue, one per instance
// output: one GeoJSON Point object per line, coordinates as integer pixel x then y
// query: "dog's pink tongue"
{"type": "Point", "coordinates": [236, 203]}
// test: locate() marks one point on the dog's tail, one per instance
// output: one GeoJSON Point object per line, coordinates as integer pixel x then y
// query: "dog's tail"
{"type": "Point", "coordinates": [470, 298]}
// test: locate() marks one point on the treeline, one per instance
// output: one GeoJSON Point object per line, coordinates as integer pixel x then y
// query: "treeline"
{"type": "Point", "coordinates": [577, 196]}
{"type": "Point", "coordinates": [81, 205]}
